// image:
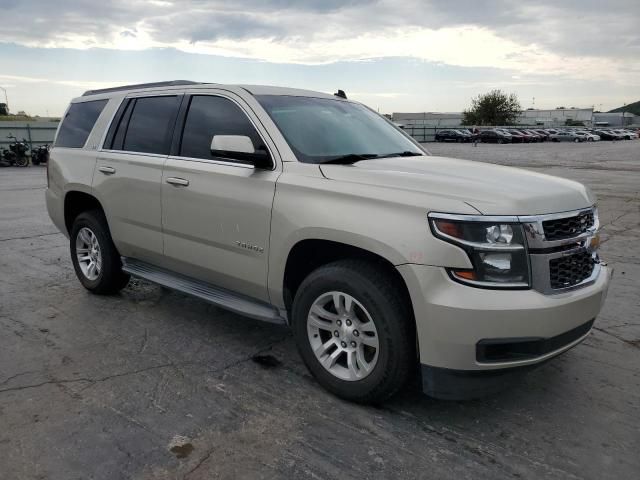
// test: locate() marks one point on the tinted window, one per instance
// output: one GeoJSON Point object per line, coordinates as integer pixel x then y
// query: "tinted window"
{"type": "Point", "coordinates": [209, 116]}
{"type": "Point", "coordinates": [78, 123]}
{"type": "Point", "coordinates": [149, 126]}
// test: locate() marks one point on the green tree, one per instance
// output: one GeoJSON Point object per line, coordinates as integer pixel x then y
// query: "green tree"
{"type": "Point", "coordinates": [493, 108]}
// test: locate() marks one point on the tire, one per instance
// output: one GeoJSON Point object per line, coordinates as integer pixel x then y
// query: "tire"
{"type": "Point", "coordinates": [107, 277]}
{"type": "Point", "coordinates": [22, 161]}
{"type": "Point", "coordinates": [499, 141]}
{"type": "Point", "coordinates": [576, 140]}
{"type": "Point", "coordinates": [375, 296]}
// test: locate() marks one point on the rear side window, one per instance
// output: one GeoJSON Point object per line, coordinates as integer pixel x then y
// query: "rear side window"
{"type": "Point", "coordinates": [208, 116]}
{"type": "Point", "coordinates": [78, 123]}
{"type": "Point", "coordinates": [146, 125]}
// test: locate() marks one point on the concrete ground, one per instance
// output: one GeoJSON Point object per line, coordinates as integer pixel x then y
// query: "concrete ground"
{"type": "Point", "coordinates": [152, 384]}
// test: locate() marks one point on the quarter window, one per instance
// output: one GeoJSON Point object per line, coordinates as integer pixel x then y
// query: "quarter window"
{"type": "Point", "coordinates": [210, 115]}
{"type": "Point", "coordinates": [78, 123]}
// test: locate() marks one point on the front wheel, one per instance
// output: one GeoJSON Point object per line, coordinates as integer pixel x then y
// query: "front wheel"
{"type": "Point", "coordinates": [354, 330]}
{"type": "Point", "coordinates": [22, 161]}
{"type": "Point", "coordinates": [94, 256]}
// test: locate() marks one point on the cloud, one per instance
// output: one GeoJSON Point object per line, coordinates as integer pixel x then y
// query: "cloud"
{"type": "Point", "coordinates": [574, 38]}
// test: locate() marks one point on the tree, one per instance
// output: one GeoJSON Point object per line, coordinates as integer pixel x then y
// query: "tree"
{"type": "Point", "coordinates": [493, 108]}
{"type": "Point", "coordinates": [3, 109]}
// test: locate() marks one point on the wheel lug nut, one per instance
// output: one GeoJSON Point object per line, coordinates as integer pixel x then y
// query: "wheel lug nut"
{"type": "Point", "coordinates": [339, 323]}
{"type": "Point", "coordinates": [353, 344]}
{"type": "Point", "coordinates": [336, 333]}
{"type": "Point", "coordinates": [356, 333]}
{"type": "Point", "coordinates": [344, 344]}
{"type": "Point", "coordinates": [349, 323]}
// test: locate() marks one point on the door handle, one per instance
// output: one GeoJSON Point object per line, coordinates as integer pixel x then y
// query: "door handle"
{"type": "Point", "coordinates": [107, 170]}
{"type": "Point", "coordinates": [177, 182]}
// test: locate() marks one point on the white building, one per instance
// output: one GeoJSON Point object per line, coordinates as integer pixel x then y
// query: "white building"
{"type": "Point", "coordinates": [557, 117]}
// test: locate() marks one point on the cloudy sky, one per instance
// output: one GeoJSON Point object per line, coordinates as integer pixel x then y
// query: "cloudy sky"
{"type": "Point", "coordinates": [395, 55]}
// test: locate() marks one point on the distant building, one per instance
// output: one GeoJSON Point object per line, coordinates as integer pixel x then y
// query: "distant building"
{"type": "Point", "coordinates": [543, 118]}
{"type": "Point", "coordinates": [428, 119]}
{"type": "Point", "coordinates": [617, 119]}
{"type": "Point", "coordinates": [558, 117]}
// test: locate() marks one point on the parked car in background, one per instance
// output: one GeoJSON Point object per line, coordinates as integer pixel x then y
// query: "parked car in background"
{"type": "Point", "coordinates": [506, 133]}
{"type": "Point", "coordinates": [452, 136]}
{"type": "Point", "coordinates": [536, 136]}
{"type": "Point", "coordinates": [588, 136]}
{"type": "Point", "coordinates": [626, 134]}
{"type": "Point", "coordinates": [607, 135]}
{"type": "Point", "coordinates": [567, 137]}
{"type": "Point", "coordinates": [544, 134]}
{"type": "Point", "coordinates": [474, 135]}
{"type": "Point", "coordinates": [494, 136]}
{"type": "Point", "coordinates": [525, 136]}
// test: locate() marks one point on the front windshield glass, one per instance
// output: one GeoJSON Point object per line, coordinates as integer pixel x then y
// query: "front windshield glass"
{"type": "Point", "coordinates": [321, 130]}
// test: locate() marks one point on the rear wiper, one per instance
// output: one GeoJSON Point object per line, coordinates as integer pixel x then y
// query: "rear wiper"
{"type": "Point", "coordinates": [406, 153]}
{"type": "Point", "coordinates": [351, 158]}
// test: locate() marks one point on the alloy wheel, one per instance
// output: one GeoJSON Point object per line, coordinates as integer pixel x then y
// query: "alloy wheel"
{"type": "Point", "coordinates": [88, 253]}
{"type": "Point", "coordinates": [343, 336]}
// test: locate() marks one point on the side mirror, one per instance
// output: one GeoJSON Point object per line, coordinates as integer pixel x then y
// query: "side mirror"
{"type": "Point", "coordinates": [240, 147]}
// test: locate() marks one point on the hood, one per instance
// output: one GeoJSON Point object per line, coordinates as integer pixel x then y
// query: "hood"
{"type": "Point", "coordinates": [490, 189]}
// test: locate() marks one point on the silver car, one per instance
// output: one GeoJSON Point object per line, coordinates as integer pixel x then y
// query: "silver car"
{"type": "Point", "coordinates": [567, 137]}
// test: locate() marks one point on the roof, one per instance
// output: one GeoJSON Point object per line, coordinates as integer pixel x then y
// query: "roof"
{"type": "Point", "coordinates": [252, 89]}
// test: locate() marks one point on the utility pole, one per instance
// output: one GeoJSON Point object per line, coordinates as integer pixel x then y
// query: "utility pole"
{"type": "Point", "coordinates": [6, 99]}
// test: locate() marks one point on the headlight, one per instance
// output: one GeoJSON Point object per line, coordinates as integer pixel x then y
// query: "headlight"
{"type": "Point", "coordinates": [496, 248]}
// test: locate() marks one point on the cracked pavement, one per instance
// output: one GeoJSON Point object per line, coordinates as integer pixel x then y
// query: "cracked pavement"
{"type": "Point", "coordinates": [101, 387]}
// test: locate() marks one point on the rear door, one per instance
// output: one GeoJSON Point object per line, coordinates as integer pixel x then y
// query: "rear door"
{"type": "Point", "coordinates": [216, 212]}
{"type": "Point", "coordinates": [128, 172]}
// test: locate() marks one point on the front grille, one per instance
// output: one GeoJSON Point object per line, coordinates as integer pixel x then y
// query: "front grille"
{"type": "Point", "coordinates": [569, 227]}
{"type": "Point", "coordinates": [571, 270]}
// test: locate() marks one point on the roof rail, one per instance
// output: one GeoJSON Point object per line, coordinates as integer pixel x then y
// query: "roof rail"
{"type": "Point", "coordinates": [170, 83]}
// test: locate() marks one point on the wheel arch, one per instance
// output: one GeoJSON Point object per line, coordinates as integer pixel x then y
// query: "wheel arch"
{"type": "Point", "coordinates": [309, 254]}
{"type": "Point", "coordinates": [77, 202]}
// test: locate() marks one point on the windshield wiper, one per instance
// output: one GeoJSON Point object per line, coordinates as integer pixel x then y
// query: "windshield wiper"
{"type": "Point", "coordinates": [406, 153]}
{"type": "Point", "coordinates": [351, 158]}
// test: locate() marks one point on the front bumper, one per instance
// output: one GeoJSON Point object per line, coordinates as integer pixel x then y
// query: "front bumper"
{"type": "Point", "coordinates": [453, 319]}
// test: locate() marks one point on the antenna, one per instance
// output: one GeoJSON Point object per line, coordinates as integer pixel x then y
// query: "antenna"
{"type": "Point", "coordinates": [341, 94]}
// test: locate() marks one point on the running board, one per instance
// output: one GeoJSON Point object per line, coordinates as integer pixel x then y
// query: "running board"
{"type": "Point", "coordinates": [218, 296]}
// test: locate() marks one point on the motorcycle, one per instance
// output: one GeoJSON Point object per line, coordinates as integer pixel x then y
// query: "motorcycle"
{"type": "Point", "coordinates": [40, 155]}
{"type": "Point", "coordinates": [17, 153]}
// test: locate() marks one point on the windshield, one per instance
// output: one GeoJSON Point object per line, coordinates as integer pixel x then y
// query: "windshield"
{"type": "Point", "coordinates": [321, 130]}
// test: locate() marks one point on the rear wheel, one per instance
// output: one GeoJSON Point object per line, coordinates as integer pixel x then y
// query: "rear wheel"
{"type": "Point", "coordinates": [576, 140]}
{"type": "Point", "coordinates": [354, 331]}
{"type": "Point", "coordinates": [94, 256]}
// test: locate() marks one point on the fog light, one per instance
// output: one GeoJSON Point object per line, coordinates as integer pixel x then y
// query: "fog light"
{"type": "Point", "coordinates": [500, 262]}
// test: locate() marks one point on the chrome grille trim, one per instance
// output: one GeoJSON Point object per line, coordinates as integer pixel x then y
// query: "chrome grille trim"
{"type": "Point", "coordinates": [539, 247]}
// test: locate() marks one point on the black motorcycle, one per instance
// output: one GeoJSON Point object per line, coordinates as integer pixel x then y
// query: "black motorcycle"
{"type": "Point", "coordinates": [17, 153]}
{"type": "Point", "coordinates": [40, 155]}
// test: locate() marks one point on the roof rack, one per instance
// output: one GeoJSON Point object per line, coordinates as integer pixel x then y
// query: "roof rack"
{"type": "Point", "coordinates": [171, 83]}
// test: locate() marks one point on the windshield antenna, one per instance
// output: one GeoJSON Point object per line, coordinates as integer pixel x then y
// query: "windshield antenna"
{"type": "Point", "coordinates": [341, 94]}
